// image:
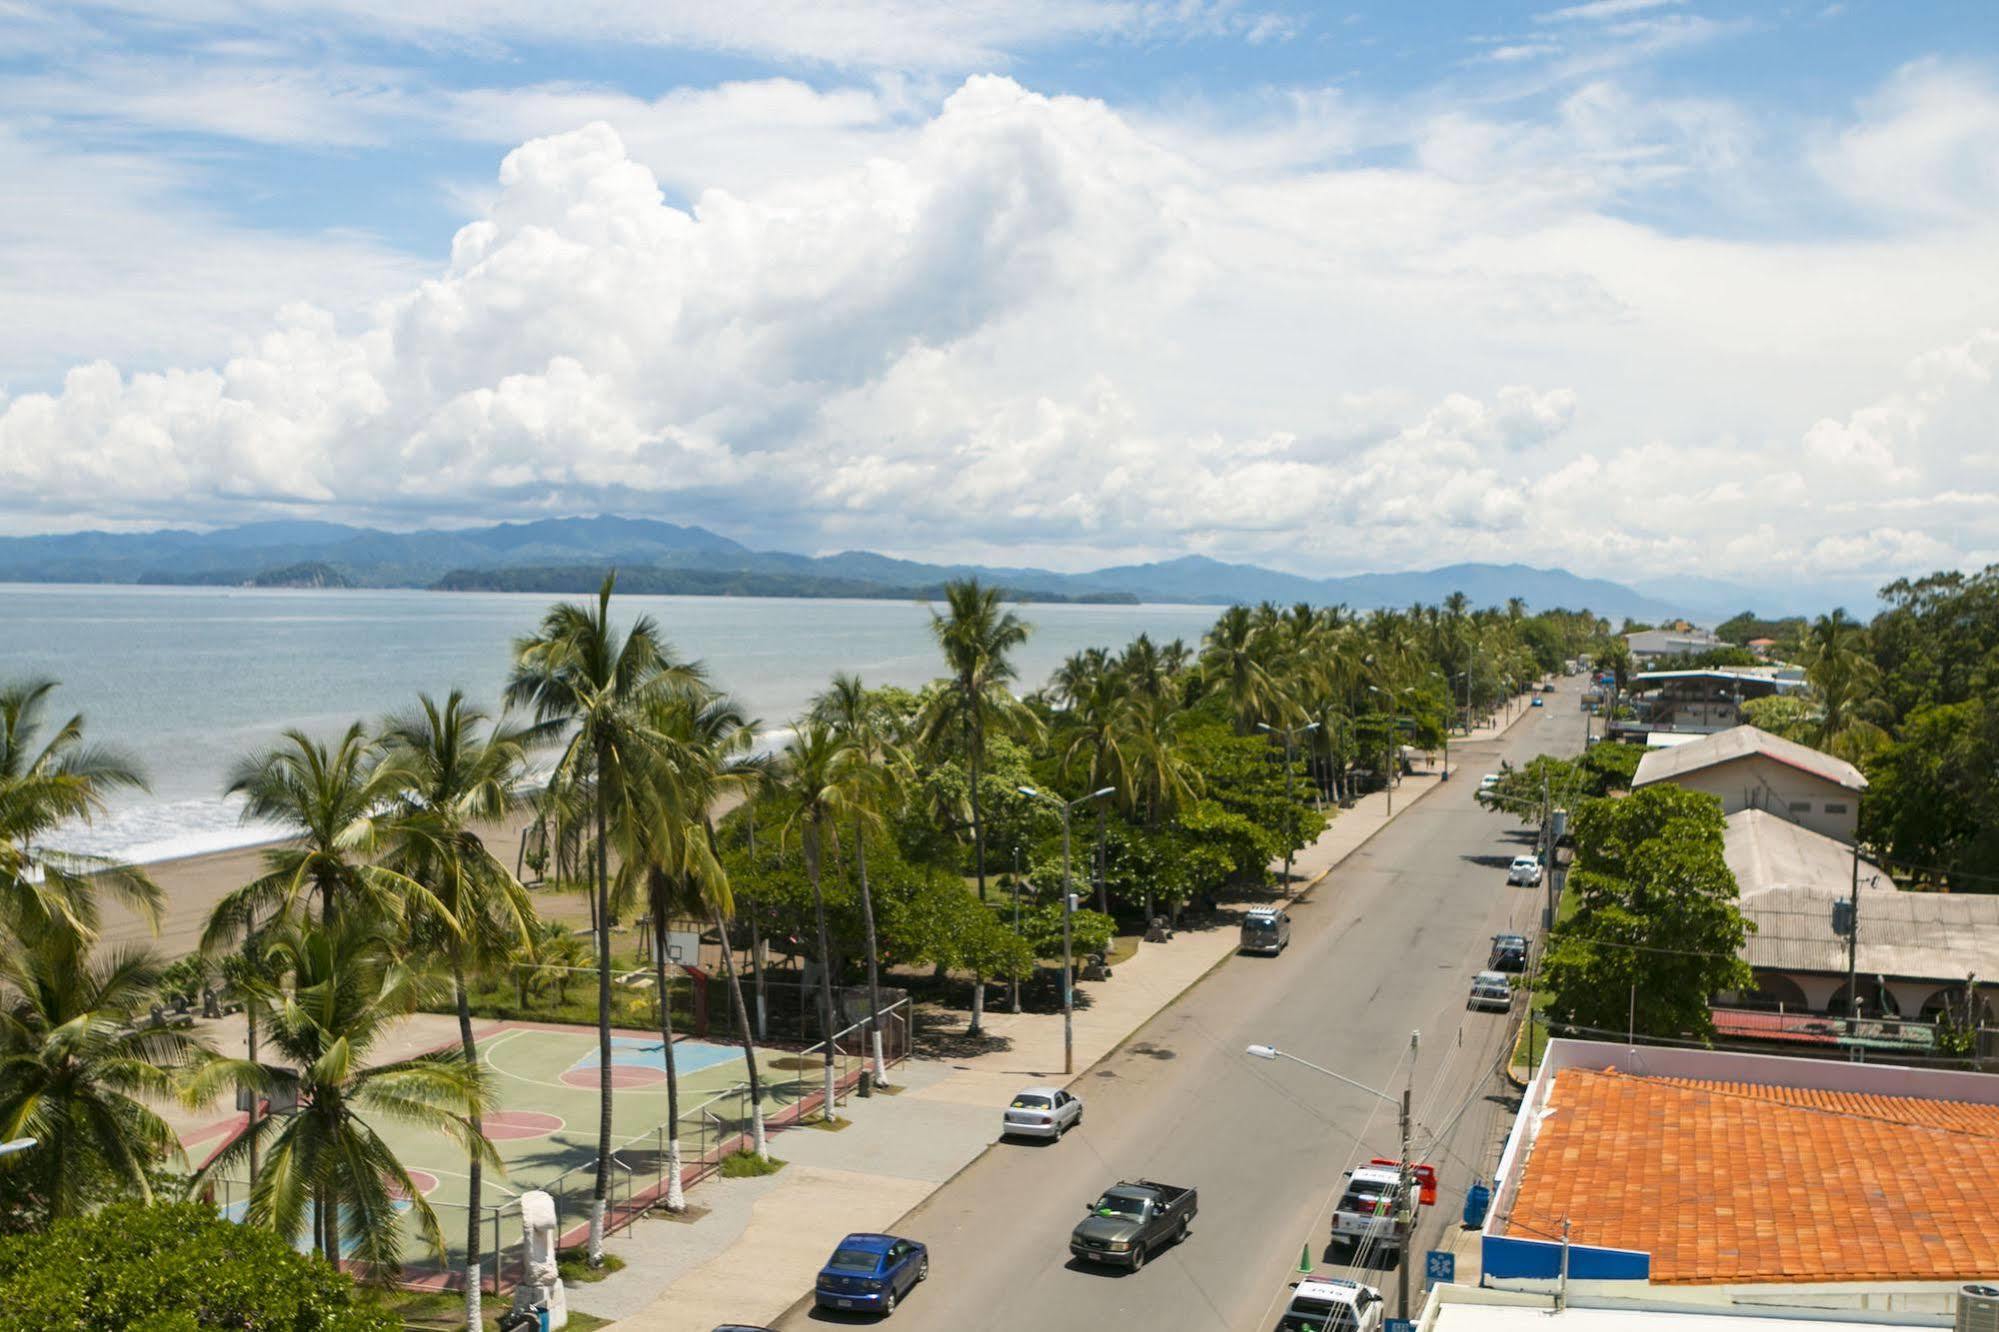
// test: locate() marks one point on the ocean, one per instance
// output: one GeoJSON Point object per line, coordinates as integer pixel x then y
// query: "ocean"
{"type": "Point", "coordinates": [189, 680]}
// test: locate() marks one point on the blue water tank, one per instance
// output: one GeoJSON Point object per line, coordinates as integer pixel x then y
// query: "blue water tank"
{"type": "Point", "coordinates": [1477, 1199]}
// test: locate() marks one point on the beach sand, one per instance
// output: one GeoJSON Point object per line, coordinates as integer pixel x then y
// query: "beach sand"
{"type": "Point", "coordinates": [192, 885]}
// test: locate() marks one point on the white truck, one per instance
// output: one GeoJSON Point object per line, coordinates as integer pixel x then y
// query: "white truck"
{"type": "Point", "coordinates": [1370, 1213]}
{"type": "Point", "coordinates": [1332, 1304]}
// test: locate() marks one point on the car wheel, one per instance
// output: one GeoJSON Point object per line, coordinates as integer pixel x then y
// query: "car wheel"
{"type": "Point", "coordinates": [1138, 1258]}
{"type": "Point", "coordinates": [888, 1302]}
{"type": "Point", "coordinates": [1182, 1236]}
{"type": "Point", "coordinates": [923, 1269]}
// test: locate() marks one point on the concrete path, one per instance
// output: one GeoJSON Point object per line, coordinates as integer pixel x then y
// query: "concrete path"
{"type": "Point", "coordinates": [761, 1241]}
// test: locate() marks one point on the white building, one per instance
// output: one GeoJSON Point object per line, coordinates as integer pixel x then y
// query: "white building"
{"type": "Point", "coordinates": [1746, 768]}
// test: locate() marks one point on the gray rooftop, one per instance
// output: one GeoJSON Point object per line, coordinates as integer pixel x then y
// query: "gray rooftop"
{"type": "Point", "coordinates": [1741, 742]}
{"type": "Point", "coordinates": [1789, 878]}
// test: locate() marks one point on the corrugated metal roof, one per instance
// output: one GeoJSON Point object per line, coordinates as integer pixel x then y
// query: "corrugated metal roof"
{"type": "Point", "coordinates": [1920, 936]}
{"type": "Point", "coordinates": [1741, 742]}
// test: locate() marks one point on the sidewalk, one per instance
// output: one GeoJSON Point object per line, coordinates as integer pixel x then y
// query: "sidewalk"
{"type": "Point", "coordinates": [757, 1248]}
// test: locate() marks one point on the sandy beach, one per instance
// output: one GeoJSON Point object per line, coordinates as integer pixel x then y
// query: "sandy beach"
{"type": "Point", "coordinates": [192, 885]}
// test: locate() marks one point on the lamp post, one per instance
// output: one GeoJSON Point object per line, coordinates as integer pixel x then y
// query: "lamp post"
{"type": "Point", "coordinates": [1394, 698]}
{"type": "Point", "coordinates": [1067, 807]}
{"type": "Point", "coordinates": [1290, 734]}
{"type": "Point", "coordinates": [1405, 1192]}
{"type": "Point", "coordinates": [1016, 918]}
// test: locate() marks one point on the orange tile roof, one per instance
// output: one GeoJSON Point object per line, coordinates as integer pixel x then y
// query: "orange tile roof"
{"type": "Point", "coordinates": [1736, 1182]}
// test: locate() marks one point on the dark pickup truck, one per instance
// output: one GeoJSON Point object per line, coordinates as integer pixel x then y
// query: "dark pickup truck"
{"type": "Point", "coordinates": [1133, 1220]}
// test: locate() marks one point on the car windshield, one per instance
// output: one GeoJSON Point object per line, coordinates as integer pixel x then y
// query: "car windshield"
{"type": "Point", "coordinates": [1259, 926]}
{"type": "Point", "coordinates": [1031, 1103]}
{"type": "Point", "coordinates": [1366, 1197]}
{"type": "Point", "coordinates": [854, 1260]}
{"type": "Point", "coordinates": [1112, 1205]}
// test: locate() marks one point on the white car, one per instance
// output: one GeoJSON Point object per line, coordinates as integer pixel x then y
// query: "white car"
{"type": "Point", "coordinates": [1487, 782]}
{"type": "Point", "coordinates": [1332, 1304]}
{"type": "Point", "coordinates": [1491, 989]}
{"type": "Point", "coordinates": [1524, 872]}
{"type": "Point", "coordinates": [1041, 1112]}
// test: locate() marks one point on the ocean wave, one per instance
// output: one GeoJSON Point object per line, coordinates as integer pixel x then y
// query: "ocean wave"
{"type": "Point", "coordinates": [166, 830]}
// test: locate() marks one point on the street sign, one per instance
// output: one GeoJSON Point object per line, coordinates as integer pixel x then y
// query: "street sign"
{"type": "Point", "coordinates": [1439, 1265]}
{"type": "Point", "coordinates": [1399, 1325]}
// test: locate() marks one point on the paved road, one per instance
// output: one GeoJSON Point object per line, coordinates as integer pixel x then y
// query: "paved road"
{"type": "Point", "coordinates": [1385, 945]}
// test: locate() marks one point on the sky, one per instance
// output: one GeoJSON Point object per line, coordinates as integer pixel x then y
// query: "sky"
{"type": "Point", "coordinates": [1640, 288]}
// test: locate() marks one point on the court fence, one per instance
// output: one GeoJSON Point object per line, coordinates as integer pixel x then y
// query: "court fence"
{"type": "Point", "coordinates": [792, 1089]}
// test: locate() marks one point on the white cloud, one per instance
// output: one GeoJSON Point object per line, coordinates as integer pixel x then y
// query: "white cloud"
{"type": "Point", "coordinates": [1031, 325]}
{"type": "Point", "coordinates": [1927, 146]}
{"type": "Point", "coordinates": [1598, 10]}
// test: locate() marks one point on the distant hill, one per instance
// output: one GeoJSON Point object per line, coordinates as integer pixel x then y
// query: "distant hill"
{"type": "Point", "coordinates": [562, 555]}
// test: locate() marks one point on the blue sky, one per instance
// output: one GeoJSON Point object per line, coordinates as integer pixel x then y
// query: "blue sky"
{"type": "Point", "coordinates": [1638, 286]}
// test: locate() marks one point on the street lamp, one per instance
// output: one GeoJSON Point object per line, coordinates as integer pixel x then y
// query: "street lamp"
{"type": "Point", "coordinates": [1394, 745]}
{"type": "Point", "coordinates": [1067, 807]}
{"type": "Point", "coordinates": [17, 1145]}
{"type": "Point", "coordinates": [1290, 733]}
{"type": "Point", "coordinates": [1405, 1192]}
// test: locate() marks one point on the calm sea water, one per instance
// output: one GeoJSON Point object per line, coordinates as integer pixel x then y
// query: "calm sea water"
{"type": "Point", "coordinates": [190, 679]}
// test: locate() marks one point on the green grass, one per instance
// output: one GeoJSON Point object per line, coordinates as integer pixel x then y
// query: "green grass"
{"type": "Point", "coordinates": [444, 1310]}
{"type": "Point", "coordinates": [574, 1267]}
{"type": "Point", "coordinates": [1124, 947]}
{"type": "Point", "coordinates": [747, 1164]}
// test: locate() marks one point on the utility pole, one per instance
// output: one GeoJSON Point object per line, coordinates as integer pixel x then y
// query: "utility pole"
{"type": "Point", "coordinates": [1853, 948]}
{"type": "Point", "coordinates": [1406, 1192]}
{"type": "Point", "coordinates": [1558, 823]}
{"type": "Point", "coordinates": [1016, 918]}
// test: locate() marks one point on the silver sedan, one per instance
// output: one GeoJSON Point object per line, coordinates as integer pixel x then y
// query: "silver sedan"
{"type": "Point", "coordinates": [1041, 1112]}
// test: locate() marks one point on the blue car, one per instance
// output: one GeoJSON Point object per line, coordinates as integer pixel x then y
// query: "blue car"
{"type": "Point", "coordinates": [870, 1273]}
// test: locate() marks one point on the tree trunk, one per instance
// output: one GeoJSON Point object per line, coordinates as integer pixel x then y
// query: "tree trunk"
{"type": "Point", "coordinates": [473, 1315]}
{"type": "Point", "coordinates": [599, 1190]}
{"type": "Point", "coordinates": [825, 959]}
{"type": "Point", "coordinates": [1103, 862]}
{"type": "Point", "coordinates": [874, 968]}
{"type": "Point", "coordinates": [256, 1093]}
{"type": "Point", "coordinates": [743, 1031]}
{"type": "Point", "coordinates": [978, 1002]}
{"type": "Point", "coordinates": [676, 1196]}
{"type": "Point", "coordinates": [977, 764]}
{"type": "Point", "coordinates": [332, 1226]}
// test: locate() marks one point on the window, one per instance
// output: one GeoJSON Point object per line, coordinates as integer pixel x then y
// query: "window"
{"type": "Point", "coordinates": [1835, 807]}
{"type": "Point", "coordinates": [1801, 806]}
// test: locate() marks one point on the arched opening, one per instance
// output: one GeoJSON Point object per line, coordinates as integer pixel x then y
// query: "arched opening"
{"type": "Point", "coordinates": [1876, 1000]}
{"type": "Point", "coordinates": [1773, 989]}
{"type": "Point", "coordinates": [1951, 999]}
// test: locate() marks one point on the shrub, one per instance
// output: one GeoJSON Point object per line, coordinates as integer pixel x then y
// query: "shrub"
{"type": "Point", "coordinates": [173, 1267]}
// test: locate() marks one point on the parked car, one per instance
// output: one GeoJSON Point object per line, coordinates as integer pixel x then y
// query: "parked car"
{"type": "Point", "coordinates": [1524, 872]}
{"type": "Point", "coordinates": [1487, 782]}
{"type": "Point", "coordinates": [1332, 1304]}
{"type": "Point", "coordinates": [1132, 1220]}
{"type": "Point", "coordinates": [1509, 953]}
{"type": "Point", "coordinates": [1041, 1112]}
{"type": "Point", "coordinates": [870, 1273]}
{"type": "Point", "coordinates": [1537, 700]}
{"type": "Point", "coordinates": [1370, 1213]}
{"type": "Point", "coordinates": [1491, 989]}
{"type": "Point", "coordinates": [1266, 930]}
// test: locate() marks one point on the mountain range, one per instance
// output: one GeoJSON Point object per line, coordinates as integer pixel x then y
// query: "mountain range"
{"type": "Point", "coordinates": [562, 555]}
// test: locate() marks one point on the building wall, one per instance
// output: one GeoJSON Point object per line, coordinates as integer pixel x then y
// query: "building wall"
{"type": "Point", "coordinates": [1761, 783]}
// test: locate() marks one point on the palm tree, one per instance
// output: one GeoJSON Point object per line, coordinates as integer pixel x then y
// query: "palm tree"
{"type": "Point", "coordinates": [579, 671]}
{"type": "Point", "coordinates": [816, 777]}
{"type": "Point", "coordinates": [46, 785]}
{"type": "Point", "coordinates": [1098, 714]}
{"type": "Point", "coordinates": [326, 1165]}
{"type": "Point", "coordinates": [330, 802]}
{"type": "Point", "coordinates": [455, 773]}
{"type": "Point", "coordinates": [76, 1075]}
{"type": "Point", "coordinates": [857, 719]}
{"type": "Point", "coordinates": [1847, 683]}
{"type": "Point", "coordinates": [1236, 657]}
{"type": "Point", "coordinates": [978, 636]}
{"type": "Point", "coordinates": [1161, 778]}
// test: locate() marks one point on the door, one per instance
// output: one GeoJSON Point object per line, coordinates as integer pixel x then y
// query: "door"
{"type": "Point", "coordinates": [899, 1268]}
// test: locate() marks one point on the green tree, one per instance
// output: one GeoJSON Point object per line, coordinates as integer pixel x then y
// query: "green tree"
{"type": "Point", "coordinates": [1933, 795]}
{"type": "Point", "coordinates": [1657, 930]}
{"type": "Point", "coordinates": [454, 772]}
{"type": "Point", "coordinates": [583, 676]}
{"type": "Point", "coordinates": [48, 785]}
{"type": "Point", "coordinates": [326, 1166]}
{"type": "Point", "coordinates": [861, 721]}
{"type": "Point", "coordinates": [978, 637]}
{"type": "Point", "coordinates": [135, 1267]}
{"type": "Point", "coordinates": [330, 803]}
{"type": "Point", "coordinates": [1236, 659]}
{"type": "Point", "coordinates": [1847, 684]}
{"type": "Point", "coordinates": [78, 1077]}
